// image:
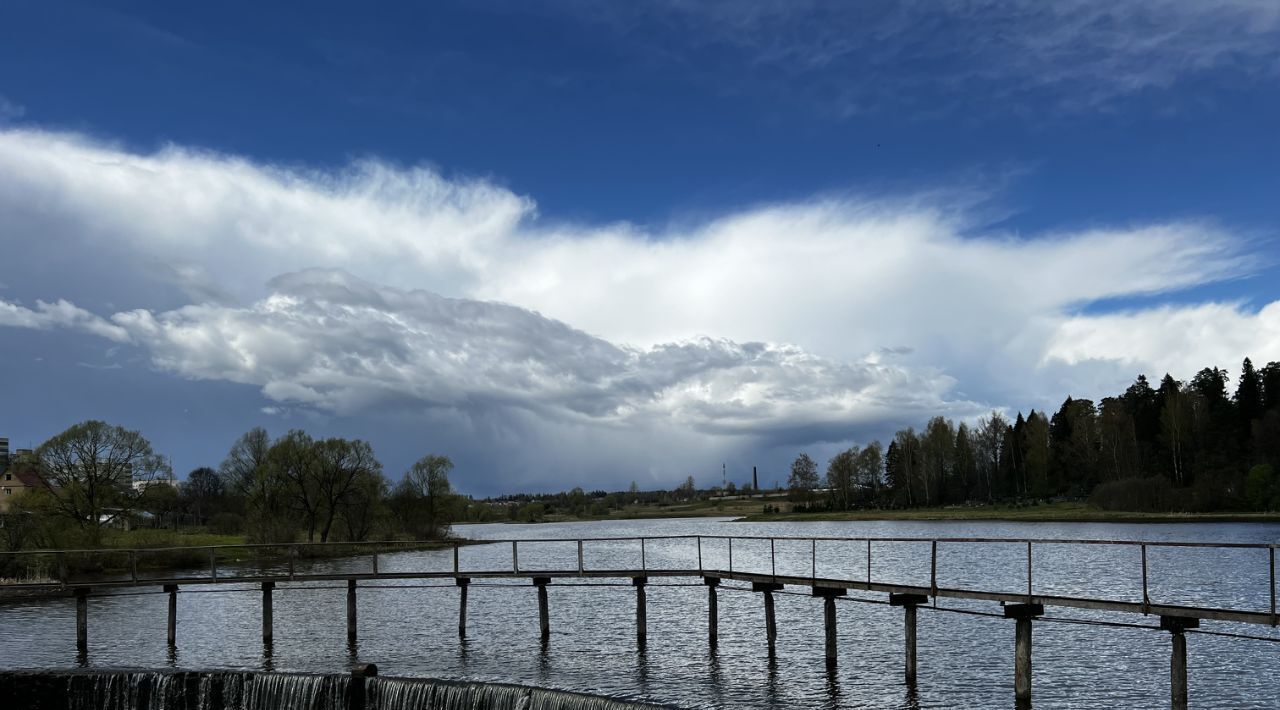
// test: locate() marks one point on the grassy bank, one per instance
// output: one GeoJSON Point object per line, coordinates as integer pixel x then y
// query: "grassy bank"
{"type": "Point", "coordinates": [689, 509]}
{"type": "Point", "coordinates": [160, 550]}
{"type": "Point", "coordinates": [1047, 513]}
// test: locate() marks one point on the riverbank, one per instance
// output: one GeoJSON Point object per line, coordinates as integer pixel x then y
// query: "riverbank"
{"type": "Point", "coordinates": [712, 508]}
{"type": "Point", "coordinates": [160, 551]}
{"type": "Point", "coordinates": [1046, 513]}
{"type": "Point", "coordinates": [752, 510]}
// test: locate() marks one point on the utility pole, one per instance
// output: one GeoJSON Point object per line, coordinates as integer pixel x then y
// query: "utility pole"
{"type": "Point", "coordinates": [724, 478]}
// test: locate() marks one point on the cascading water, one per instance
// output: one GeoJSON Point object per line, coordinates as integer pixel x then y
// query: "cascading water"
{"type": "Point", "coordinates": [117, 691]}
{"type": "Point", "coordinates": [231, 690]}
{"type": "Point", "coordinates": [413, 694]}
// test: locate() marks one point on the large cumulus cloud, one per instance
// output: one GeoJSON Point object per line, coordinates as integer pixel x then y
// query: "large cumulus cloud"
{"type": "Point", "coordinates": [328, 340]}
{"type": "Point", "coordinates": [377, 285]}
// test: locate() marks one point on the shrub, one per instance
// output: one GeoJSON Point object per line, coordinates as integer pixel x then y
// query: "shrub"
{"type": "Point", "coordinates": [226, 524]}
{"type": "Point", "coordinates": [1154, 494]}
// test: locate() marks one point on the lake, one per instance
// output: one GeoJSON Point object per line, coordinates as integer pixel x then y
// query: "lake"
{"type": "Point", "coordinates": [410, 628]}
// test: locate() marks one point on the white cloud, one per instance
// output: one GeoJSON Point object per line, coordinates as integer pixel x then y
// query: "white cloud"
{"type": "Point", "coordinates": [325, 339]}
{"type": "Point", "coordinates": [785, 320]}
{"type": "Point", "coordinates": [1175, 339]}
{"type": "Point", "coordinates": [841, 277]}
{"type": "Point", "coordinates": [60, 314]}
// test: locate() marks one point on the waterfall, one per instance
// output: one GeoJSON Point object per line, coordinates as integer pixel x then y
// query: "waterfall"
{"type": "Point", "coordinates": [426, 694]}
{"type": "Point", "coordinates": [124, 691]}
{"type": "Point", "coordinates": [280, 691]}
{"type": "Point", "coordinates": [235, 690]}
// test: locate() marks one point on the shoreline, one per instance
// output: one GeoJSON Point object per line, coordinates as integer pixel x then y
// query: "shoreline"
{"type": "Point", "coordinates": [1047, 513]}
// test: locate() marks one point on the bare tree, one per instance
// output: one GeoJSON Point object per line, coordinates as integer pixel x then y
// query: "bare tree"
{"type": "Point", "coordinates": [359, 509]}
{"type": "Point", "coordinates": [89, 472]}
{"type": "Point", "coordinates": [841, 474]}
{"type": "Point", "coordinates": [293, 458]}
{"type": "Point", "coordinates": [203, 489]}
{"type": "Point", "coordinates": [339, 465]}
{"type": "Point", "coordinates": [248, 473]}
{"type": "Point", "coordinates": [803, 478]}
{"type": "Point", "coordinates": [429, 479]}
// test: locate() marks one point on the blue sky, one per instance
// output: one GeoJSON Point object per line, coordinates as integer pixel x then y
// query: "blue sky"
{"type": "Point", "coordinates": [579, 244]}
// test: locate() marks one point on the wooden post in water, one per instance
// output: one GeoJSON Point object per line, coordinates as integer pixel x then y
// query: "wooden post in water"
{"type": "Point", "coordinates": [266, 611]}
{"type": "Point", "coordinates": [462, 583]}
{"type": "Point", "coordinates": [1176, 625]}
{"type": "Point", "coordinates": [770, 625]}
{"type": "Point", "coordinates": [909, 602]}
{"type": "Point", "coordinates": [172, 589]}
{"type": "Point", "coordinates": [829, 595]}
{"type": "Point", "coordinates": [358, 694]}
{"type": "Point", "coordinates": [642, 631]}
{"type": "Point", "coordinates": [1023, 615]}
{"type": "Point", "coordinates": [544, 616]}
{"type": "Point", "coordinates": [351, 611]}
{"type": "Point", "coordinates": [713, 611]}
{"type": "Point", "coordinates": [82, 619]}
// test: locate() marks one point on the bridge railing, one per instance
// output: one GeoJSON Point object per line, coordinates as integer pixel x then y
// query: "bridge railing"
{"type": "Point", "coordinates": [1121, 566]}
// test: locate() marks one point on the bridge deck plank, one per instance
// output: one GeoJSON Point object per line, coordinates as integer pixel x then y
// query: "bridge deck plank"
{"type": "Point", "coordinates": [1133, 607]}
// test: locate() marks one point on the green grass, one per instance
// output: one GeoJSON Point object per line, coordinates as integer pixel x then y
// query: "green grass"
{"type": "Point", "coordinates": [150, 538]}
{"type": "Point", "coordinates": [159, 549]}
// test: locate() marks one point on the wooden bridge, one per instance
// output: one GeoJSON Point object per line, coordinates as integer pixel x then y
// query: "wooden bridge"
{"type": "Point", "coordinates": [1023, 605]}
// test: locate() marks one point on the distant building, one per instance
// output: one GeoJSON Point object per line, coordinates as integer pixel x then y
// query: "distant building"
{"type": "Point", "coordinates": [15, 478]}
{"type": "Point", "coordinates": [140, 485]}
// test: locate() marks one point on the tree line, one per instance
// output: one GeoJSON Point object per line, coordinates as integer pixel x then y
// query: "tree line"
{"type": "Point", "coordinates": [95, 477]}
{"type": "Point", "coordinates": [1177, 446]}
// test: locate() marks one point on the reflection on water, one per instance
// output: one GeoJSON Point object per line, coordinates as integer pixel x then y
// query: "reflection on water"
{"type": "Point", "coordinates": [410, 629]}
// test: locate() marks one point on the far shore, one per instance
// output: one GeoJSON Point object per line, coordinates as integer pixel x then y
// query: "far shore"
{"type": "Point", "coordinates": [1048, 513]}
{"type": "Point", "coordinates": [751, 510]}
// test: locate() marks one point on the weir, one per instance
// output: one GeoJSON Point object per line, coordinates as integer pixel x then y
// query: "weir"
{"type": "Point", "coordinates": [230, 690]}
{"type": "Point", "coordinates": [1023, 605]}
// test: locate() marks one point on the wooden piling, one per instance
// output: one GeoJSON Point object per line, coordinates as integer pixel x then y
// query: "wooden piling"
{"type": "Point", "coordinates": [1022, 660]}
{"type": "Point", "coordinates": [172, 589]}
{"type": "Point", "coordinates": [351, 611]}
{"type": "Point", "coordinates": [544, 615]}
{"type": "Point", "coordinates": [829, 617]}
{"type": "Point", "coordinates": [642, 632]}
{"type": "Point", "coordinates": [463, 583]}
{"type": "Point", "coordinates": [713, 611]}
{"type": "Point", "coordinates": [266, 611]}
{"type": "Point", "coordinates": [770, 625]}
{"type": "Point", "coordinates": [829, 595]}
{"type": "Point", "coordinates": [82, 619]}
{"type": "Point", "coordinates": [1023, 615]}
{"type": "Point", "coordinates": [1178, 672]}
{"type": "Point", "coordinates": [1176, 626]}
{"type": "Point", "coordinates": [909, 639]}
{"type": "Point", "coordinates": [909, 602]}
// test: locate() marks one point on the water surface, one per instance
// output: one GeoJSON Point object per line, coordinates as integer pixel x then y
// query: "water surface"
{"type": "Point", "coordinates": [410, 628]}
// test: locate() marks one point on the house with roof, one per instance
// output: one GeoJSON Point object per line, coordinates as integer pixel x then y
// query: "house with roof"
{"type": "Point", "coordinates": [16, 478]}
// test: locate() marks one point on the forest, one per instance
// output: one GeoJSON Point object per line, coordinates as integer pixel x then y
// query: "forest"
{"type": "Point", "coordinates": [1194, 446]}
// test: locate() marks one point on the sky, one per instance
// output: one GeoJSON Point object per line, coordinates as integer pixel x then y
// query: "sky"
{"type": "Point", "coordinates": [570, 243]}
